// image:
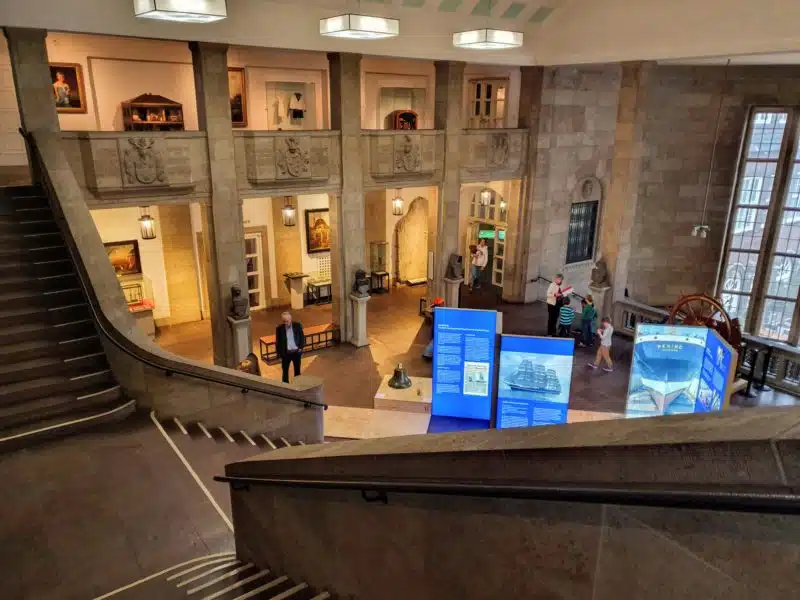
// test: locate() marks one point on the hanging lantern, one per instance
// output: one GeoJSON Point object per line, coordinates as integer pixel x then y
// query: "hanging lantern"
{"type": "Point", "coordinates": [147, 225]}
{"type": "Point", "coordinates": [397, 204]}
{"type": "Point", "coordinates": [502, 205]}
{"type": "Point", "coordinates": [485, 196]}
{"type": "Point", "coordinates": [289, 213]}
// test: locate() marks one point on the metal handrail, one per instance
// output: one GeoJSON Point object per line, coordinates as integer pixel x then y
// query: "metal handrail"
{"type": "Point", "coordinates": [99, 317]}
{"type": "Point", "coordinates": [539, 277]}
{"type": "Point", "coordinates": [735, 501]}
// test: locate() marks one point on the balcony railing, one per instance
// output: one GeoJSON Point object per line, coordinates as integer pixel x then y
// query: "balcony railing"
{"type": "Point", "coordinates": [492, 154]}
{"type": "Point", "coordinates": [402, 158]}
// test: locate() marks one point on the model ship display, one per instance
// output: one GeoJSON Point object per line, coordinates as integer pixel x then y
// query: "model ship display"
{"type": "Point", "coordinates": [664, 379]}
{"type": "Point", "coordinates": [534, 378]}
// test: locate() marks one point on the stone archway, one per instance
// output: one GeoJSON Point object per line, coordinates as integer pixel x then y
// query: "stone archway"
{"type": "Point", "coordinates": [411, 249]}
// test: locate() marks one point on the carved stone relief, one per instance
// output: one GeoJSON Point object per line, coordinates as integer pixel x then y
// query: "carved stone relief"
{"type": "Point", "coordinates": [498, 150]}
{"type": "Point", "coordinates": [143, 164]}
{"type": "Point", "coordinates": [293, 158]}
{"type": "Point", "coordinates": [407, 155]}
{"type": "Point", "coordinates": [588, 189]}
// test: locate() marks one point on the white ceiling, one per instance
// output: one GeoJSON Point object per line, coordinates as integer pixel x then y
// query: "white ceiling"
{"type": "Point", "coordinates": [556, 31]}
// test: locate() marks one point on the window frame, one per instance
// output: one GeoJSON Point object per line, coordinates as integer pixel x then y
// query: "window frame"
{"type": "Point", "coordinates": [767, 250]}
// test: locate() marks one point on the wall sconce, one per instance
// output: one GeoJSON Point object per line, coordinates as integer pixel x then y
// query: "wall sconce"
{"type": "Point", "coordinates": [397, 204]}
{"type": "Point", "coordinates": [289, 213]}
{"type": "Point", "coordinates": [701, 231]}
{"type": "Point", "coordinates": [485, 197]}
{"type": "Point", "coordinates": [147, 225]}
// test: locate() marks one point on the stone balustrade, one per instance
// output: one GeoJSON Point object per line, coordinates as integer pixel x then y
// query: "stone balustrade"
{"type": "Point", "coordinates": [275, 163]}
{"type": "Point", "coordinates": [628, 314]}
{"type": "Point", "coordinates": [132, 168]}
{"type": "Point", "coordinates": [128, 167]}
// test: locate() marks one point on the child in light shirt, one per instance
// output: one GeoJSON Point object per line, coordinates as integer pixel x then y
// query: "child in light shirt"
{"type": "Point", "coordinates": [605, 331]}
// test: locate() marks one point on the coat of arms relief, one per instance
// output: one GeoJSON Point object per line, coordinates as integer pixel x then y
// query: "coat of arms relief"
{"type": "Point", "coordinates": [407, 156]}
{"type": "Point", "coordinates": [142, 163]}
{"type": "Point", "coordinates": [292, 159]}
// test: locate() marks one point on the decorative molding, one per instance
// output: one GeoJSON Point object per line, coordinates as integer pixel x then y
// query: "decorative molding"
{"type": "Point", "coordinates": [267, 159]}
{"type": "Point", "coordinates": [400, 155]}
{"type": "Point", "coordinates": [493, 153]}
{"type": "Point", "coordinates": [588, 189]}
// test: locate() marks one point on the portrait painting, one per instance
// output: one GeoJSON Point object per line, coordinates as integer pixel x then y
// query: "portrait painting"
{"type": "Point", "coordinates": [238, 96]}
{"type": "Point", "coordinates": [318, 230]}
{"type": "Point", "coordinates": [68, 92]}
{"type": "Point", "coordinates": [124, 257]}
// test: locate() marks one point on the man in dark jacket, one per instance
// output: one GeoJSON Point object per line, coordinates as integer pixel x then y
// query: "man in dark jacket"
{"type": "Point", "coordinates": [289, 342]}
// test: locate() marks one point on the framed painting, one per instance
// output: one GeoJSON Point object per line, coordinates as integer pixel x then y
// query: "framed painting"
{"type": "Point", "coordinates": [68, 91]}
{"type": "Point", "coordinates": [237, 88]}
{"type": "Point", "coordinates": [318, 230]}
{"type": "Point", "coordinates": [124, 257]}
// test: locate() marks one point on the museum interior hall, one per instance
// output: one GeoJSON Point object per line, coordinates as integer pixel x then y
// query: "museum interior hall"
{"type": "Point", "coordinates": [344, 299]}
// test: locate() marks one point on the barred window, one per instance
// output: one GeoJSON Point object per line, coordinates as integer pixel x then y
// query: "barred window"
{"type": "Point", "coordinates": [582, 227]}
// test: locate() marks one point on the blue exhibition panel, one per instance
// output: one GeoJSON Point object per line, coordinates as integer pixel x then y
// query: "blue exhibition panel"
{"type": "Point", "coordinates": [463, 362]}
{"type": "Point", "coordinates": [678, 370]}
{"type": "Point", "coordinates": [535, 377]}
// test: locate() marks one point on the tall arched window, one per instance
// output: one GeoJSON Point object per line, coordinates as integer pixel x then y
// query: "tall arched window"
{"type": "Point", "coordinates": [761, 275]}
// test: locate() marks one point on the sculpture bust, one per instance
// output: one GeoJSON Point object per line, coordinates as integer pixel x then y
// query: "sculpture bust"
{"type": "Point", "coordinates": [240, 306]}
{"type": "Point", "coordinates": [361, 283]}
{"type": "Point", "coordinates": [455, 267]}
{"type": "Point", "coordinates": [600, 274]}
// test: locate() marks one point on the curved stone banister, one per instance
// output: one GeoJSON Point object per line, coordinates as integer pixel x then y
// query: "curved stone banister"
{"type": "Point", "coordinates": [169, 384]}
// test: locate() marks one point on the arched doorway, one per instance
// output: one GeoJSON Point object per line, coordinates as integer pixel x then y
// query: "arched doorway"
{"type": "Point", "coordinates": [485, 215]}
{"type": "Point", "coordinates": [411, 244]}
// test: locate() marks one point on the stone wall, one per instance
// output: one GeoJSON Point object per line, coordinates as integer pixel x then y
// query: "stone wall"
{"type": "Point", "coordinates": [576, 139]}
{"type": "Point", "coordinates": [181, 269]}
{"type": "Point", "coordinates": [682, 107]}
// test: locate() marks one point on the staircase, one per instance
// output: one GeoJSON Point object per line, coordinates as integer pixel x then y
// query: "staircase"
{"type": "Point", "coordinates": [218, 577]}
{"type": "Point", "coordinates": [54, 376]}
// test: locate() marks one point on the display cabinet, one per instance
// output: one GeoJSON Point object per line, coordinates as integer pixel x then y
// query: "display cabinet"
{"type": "Point", "coordinates": [151, 112]}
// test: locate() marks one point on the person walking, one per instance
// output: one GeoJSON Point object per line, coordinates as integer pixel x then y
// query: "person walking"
{"type": "Point", "coordinates": [555, 298]}
{"type": "Point", "coordinates": [605, 332]}
{"type": "Point", "coordinates": [588, 316]}
{"type": "Point", "coordinates": [566, 317]}
{"type": "Point", "coordinates": [289, 342]}
{"type": "Point", "coordinates": [480, 258]}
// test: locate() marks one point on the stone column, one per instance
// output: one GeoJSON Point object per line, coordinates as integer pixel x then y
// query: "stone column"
{"type": "Point", "coordinates": [447, 117]}
{"type": "Point", "coordinates": [348, 246]}
{"type": "Point", "coordinates": [526, 219]}
{"type": "Point", "coordinates": [29, 66]}
{"type": "Point", "coordinates": [222, 219]}
{"type": "Point", "coordinates": [619, 211]}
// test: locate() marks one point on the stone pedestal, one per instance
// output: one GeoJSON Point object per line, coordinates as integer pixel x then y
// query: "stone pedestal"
{"type": "Point", "coordinates": [602, 297]}
{"type": "Point", "coordinates": [240, 332]}
{"type": "Point", "coordinates": [416, 399]}
{"type": "Point", "coordinates": [452, 287]}
{"type": "Point", "coordinates": [358, 306]}
{"type": "Point", "coordinates": [295, 281]}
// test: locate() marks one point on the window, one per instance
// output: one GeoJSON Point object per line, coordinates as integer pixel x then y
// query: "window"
{"type": "Point", "coordinates": [487, 105]}
{"type": "Point", "coordinates": [761, 274]}
{"type": "Point", "coordinates": [582, 227]}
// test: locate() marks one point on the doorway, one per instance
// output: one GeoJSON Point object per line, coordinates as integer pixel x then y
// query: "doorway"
{"type": "Point", "coordinates": [255, 270]}
{"type": "Point", "coordinates": [496, 245]}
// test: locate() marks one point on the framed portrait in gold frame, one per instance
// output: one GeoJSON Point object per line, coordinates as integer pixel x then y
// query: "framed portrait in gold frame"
{"type": "Point", "coordinates": [67, 85]}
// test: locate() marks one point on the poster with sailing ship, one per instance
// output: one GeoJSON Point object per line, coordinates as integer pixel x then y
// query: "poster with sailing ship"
{"type": "Point", "coordinates": [535, 376]}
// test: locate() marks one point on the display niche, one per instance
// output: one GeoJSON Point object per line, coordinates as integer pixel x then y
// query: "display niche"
{"type": "Point", "coordinates": [151, 112]}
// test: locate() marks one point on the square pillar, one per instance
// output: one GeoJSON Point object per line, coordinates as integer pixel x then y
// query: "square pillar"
{"type": "Point", "coordinates": [34, 90]}
{"type": "Point", "coordinates": [222, 219]}
{"type": "Point", "coordinates": [526, 218]}
{"type": "Point", "coordinates": [620, 207]}
{"type": "Point", "coordinates": [348, 243]}
{"type": "Point", "coordinates": [448, 117]}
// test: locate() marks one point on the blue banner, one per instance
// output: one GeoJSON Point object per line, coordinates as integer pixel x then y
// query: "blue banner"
{"type": "Point", "coordinates": [463, 362]}
{"type": "Point", "coordinates": [677, 370]}
{"type": "Point", "coordinates": [535, 377]}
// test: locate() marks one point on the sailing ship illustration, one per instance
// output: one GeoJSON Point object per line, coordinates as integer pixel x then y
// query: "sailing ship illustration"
{"type": "Point", "coordinates": [663, 378]}
{"type": "Point", "coordinates": [531, 377]}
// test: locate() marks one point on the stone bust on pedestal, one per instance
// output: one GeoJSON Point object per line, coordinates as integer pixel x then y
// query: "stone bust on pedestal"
{"type": "Point", "coordinates": [240, 306]}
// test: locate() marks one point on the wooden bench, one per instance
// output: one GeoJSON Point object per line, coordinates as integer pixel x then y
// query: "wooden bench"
{"type": "Point", "coordinates": [318, 337]}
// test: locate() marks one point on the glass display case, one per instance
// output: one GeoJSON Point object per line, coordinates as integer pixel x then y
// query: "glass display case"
{"type": "Point", "coordinates": [151, 112]}
{"type": "Point", "coordinates": [378, 257]}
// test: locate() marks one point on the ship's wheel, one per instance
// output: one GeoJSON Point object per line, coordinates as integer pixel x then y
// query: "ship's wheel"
{"type": "Point", "coordinates": [705, 311]}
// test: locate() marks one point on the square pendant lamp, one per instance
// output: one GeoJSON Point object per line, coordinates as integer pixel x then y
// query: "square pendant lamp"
{"type": "Point", "coordinates": [487, 39]}
{"type": "Point", "coordinates": [359, 27]}
{"type": "Point", "coordinates": [182, 11]}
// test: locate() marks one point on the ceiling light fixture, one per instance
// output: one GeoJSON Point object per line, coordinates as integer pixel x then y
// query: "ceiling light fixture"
{"type": "Point", "coordinates": [181, 11]}
{"type": "Point", "coordinates": [487, 39]}
{"type": "Point", "coordinates": [485, 196]}
{"type": "Point", "coordinates": [359, 27]}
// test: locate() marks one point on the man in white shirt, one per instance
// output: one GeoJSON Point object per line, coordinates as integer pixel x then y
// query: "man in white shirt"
{"type": "Point", "coordinates": [555, 297]}
{"type": "Point", "coordinates": [480, 258]}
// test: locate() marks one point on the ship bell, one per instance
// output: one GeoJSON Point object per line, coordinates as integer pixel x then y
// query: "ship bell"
{"type": "Point", "coordinates": [400, 379]}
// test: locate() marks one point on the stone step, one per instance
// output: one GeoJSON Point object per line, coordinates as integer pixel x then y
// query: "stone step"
{"type": "Point", "coordinates": [28, 241]}
{"type": "Point", "coordinates": [38, 269]}
{"type": "Point", "coordinates": [39, 283]}
{"type": "Point", "coordinates": [48, 385]}
{"type": "Point", "coordinates": [22, 223]}
{"type": "Point", "coordinates": [66, 424]}
{"type": "Point", "coordinates": [23, 351]}
{"type": "Point", "coordinates": [50, 407]}
{"type": "Point", "coordinates": [12, 372]}
{"type": "Point", "coordinates": [44, 251]}
{"type": "Point", "coordinates": [58, 293]}
{"type": "Point", "coordinates": [55, 315]}
{"type": "Point", "coordinates": [65, 332]}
